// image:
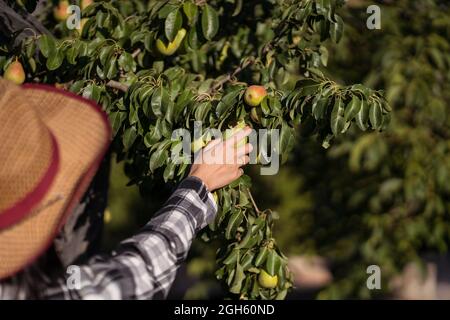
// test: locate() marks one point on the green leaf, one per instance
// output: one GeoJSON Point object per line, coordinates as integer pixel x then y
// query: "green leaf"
{"type": "Point", "coordinates": [129, 137]}
{"type": "Point", "coordinates": [190, 10]}
{"type": "Point", "coordinates": [105, 54]}
{"type": "Point", "coordinates": [152, 137]}
{"type": "Point", "coordinates": [55, 60]}
{"type": "Point", "coordinates": [337, 117]}
{"type": "Point", "coordinates": [193, 38]}
{"type": "Point", "coordinates": [96, 93]}
{"type": "Point", "coordinates": [337, 29]}
{"type": "Point", "coordinates": [281, 295]}
{"type": "Point", "coordinates": [243, 243]}
{"type": "Point", "coordinates": [234, 222]}
{"type": "Point", "coordinates": [319, 107]}
{"type": "Point", "coordinates": [93, 45]}
{"type": "Point", "coordinates": [30, 48]}
{"type": "Point", "coordinates": [238, 8]}
{"type": "Point", "coordinates": [362, 116]}
{"type": "Point", "coordinates": [133, 115]}
{"type": "Point", "coordinates": [262, 256]}
{"type": "Point", "coordinates": [352, 108]}
{"type": "Point", "coordinates": [159, 157]}
{"type": "Point", "coordinates": [137, 36]}
{"type": "Point", "coordinates": [77, 86]}
{"type": "Point", "coordinates": [232, 257]}
{"type": "Point", "coordinates": [148, 41]}
{"type": "Point", "coordinates": [156, 101]}
{"type": "Point", "coordinates": [82, 49]}
{"type": "Point", "coordinates": [273, 262]}
{"type": "Point", "coordinates": [169, 171]}
{"type": "Point", "coordinates": [239, 276]}
{"type": "Point", "coordinates": [126, 62]}
{"type": "Point", "coordinates": [286, 140]}
{"type": "Point", "coordinates": [227, 102]}
{"type": "Point", "coordinates": [183, 100]}
{"type": "Point", "coordinates": [111, 68]}
{"type": "Point", "coordinates": [100, 18]}
{"type": "Point", "coordinates": [172, 24]}
{"type": "Point", "coordinates": [202, 110]}
{"type": "Point", "coordinates": [116, 120]}
{"type": "Point", "coordinates": [375, 115]}
{"type": "Point", "coordinates": [247, 260]}
{"type": "Point", "coordinates": [166, 10]}
{"type": "Point", "coordinates": [47, 45]}
{"type": "Point", "coordinates": [265, 106]}
{"type": "Point", "coordinates": [210, 22]}
{"type": "Point", "coordinates": [71, 55]}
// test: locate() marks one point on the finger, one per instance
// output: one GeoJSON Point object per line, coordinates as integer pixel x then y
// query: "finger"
{"type": "Point", "coordinates": [243, 150]}
{"type": "Point", "coordinates": [238, 136]}
{"type": "Point", "coordinates": [239, 172]}
{"type": "Point", "coordinates": [243, 160]}
{"type": "Point", "coordinates": [211, 144]}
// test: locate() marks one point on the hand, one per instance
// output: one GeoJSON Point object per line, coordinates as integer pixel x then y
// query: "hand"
{"type": "Point", "coordinates": [220, 162]}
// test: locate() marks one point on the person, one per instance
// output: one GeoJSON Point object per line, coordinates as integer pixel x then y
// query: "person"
{"type": "Point", "coordinates": [52, 144]}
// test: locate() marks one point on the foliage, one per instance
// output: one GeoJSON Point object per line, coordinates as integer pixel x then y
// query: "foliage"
{"type": "Point", "coordinates": [380, 198]}
{"type": "Point", "coordinates": [201, 76]}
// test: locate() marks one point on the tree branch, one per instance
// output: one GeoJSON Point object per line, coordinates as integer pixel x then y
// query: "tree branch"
{"type": "Point", "coordinates": [136, 52]}
{"type": "Point", "coordinates": [230, 76]}
{"type": "Point", "coordinates": [117, 85]}
{"type": "Point", "coordinates": [17, 25]}
{"type": "Point", "coordinates": [253, 201]}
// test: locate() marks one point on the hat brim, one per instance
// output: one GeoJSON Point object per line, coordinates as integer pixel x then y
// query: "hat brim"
{"type": "Point", "coordinates": [83, 134]}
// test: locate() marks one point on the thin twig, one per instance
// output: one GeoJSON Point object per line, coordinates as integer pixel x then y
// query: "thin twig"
{"type": "Point", "coordinates": [230, 76]}
{"type": "Point", "coordinates": [253, 201]}
{"type": "Point", "coordinates": [136, 52]}
{"type": "Point", "coordinates": [117, 85]}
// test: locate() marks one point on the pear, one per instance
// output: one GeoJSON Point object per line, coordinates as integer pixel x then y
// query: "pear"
{"type": "Point", "coordinates": [15, 73]}
{"type": "Point", "coordinates": [60, 12]}
{"type": "Point", "coordinates": [173, 46]}
{"type": "Point", "coordinates": [229, 132]}
{"type": "Point", "coordinates": [85, 3]}
{"type": "Point", "coordinates": [266, 280]}
{"type": "Point", "coordinates": [254, 95]}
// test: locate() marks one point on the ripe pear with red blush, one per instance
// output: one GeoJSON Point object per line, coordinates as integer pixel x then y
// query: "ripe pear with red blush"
{"type": "Point", "coordinates": [254, 95]}
{"type": "Point", "coordinates": [86, 3]}
{"type": "Point", "coordinates": [15, 73]}
{"type": "Point", "coordinates": [60, 12]}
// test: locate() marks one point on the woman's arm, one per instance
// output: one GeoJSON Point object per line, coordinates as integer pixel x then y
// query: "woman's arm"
{"type": "Point", "coordinates": [144, 266]}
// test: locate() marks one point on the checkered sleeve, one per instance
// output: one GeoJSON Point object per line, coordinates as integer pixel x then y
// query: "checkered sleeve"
{"type": "Point", "coordinates": [144, 266]}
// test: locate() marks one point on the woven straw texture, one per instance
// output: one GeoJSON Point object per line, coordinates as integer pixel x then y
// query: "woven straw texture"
{"type": "Point", "coordinates": [26, 147]}
{"type": "Point", "coordinates": [82, 136]}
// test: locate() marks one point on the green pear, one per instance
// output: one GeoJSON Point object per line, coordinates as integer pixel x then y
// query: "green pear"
{"type": "Point", "coordinates": [173, 46]}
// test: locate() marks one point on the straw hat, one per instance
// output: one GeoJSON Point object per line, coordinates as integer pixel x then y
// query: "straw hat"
{"type": "Point", "coordinates": [51, 144]}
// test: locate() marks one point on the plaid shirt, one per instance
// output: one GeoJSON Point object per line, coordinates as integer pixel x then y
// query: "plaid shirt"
{"type": "Point", "coordinates": [142, 267]}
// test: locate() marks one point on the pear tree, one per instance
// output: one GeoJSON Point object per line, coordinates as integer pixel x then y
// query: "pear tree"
{"type": "Point", "coordinates": [158, 66]}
